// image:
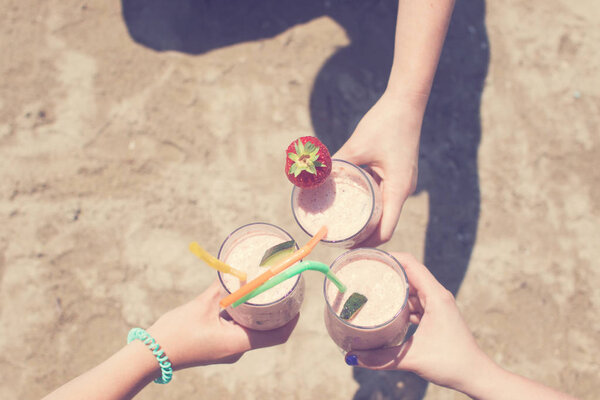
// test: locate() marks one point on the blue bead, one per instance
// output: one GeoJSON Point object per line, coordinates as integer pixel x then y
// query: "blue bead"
{"type": "Point", "coordinates": [352, 360]}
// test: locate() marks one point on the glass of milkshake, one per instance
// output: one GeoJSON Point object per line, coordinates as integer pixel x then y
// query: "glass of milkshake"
{"type": "Point", "coordinates": [383, 320]}
{"type": "Point", "coordinates": [243, 249]}
{"type": "Point", "coordinates": [348, 203]}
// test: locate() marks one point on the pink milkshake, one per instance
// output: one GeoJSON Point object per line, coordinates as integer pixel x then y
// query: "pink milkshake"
{"type": "Point", "coordinates": [383, 320]}
{"type": "Point", "coordinates": [348, 203]}
{"type": "Point", "coordinates": [243, 249]}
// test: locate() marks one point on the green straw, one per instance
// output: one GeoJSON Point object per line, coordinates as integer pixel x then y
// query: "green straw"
{"type": "Point", "coordinates": [290, 273]}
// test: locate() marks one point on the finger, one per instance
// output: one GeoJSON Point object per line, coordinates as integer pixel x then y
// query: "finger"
{"type": "Point", "coordinates": [384, 231]}
{"type": "Point", "coordinates": [418, 276]}
{"type": "Point", "coordinates": [250, 339]}
{"type": "Point", "coordinates": [211, 294]}
{"type": "Point", "coordinates": [393, 198]}
{"type": "Point", "coordinates": [375, 172]}
{"type": "Point", "coordinates": [414, 305]}
{"type": "Point", "coordinates": [412, 291]}
{"type": "Point", "coordinates": [390, 358]}
{"type": "Point", "coordinates": [346, 152]}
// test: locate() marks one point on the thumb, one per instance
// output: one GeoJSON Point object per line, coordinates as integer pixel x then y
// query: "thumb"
{"type": "Point", "coordinates": [394, 196]}
{"type": "Point", "coordinates": [389, 358]}
{"type": "Point", "coordinates": [348, 152]}
{"type": "Point", "coordinates": [212, 292]}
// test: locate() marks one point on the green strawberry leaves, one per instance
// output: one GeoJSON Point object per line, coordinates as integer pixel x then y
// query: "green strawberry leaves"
{"type": "Point", "coordinates": [305, 158]}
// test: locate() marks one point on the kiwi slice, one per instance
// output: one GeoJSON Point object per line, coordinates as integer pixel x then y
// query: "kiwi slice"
{"type": "Point", "coordinates": [277, 253]}
{"type": "Point", "coordinates": [352, 306]}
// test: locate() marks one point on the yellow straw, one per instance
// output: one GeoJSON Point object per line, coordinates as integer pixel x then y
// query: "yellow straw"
{"type": "Point", "coordinates": [215, 262]}
{"type": "Point", "coordinates": [274, 270]}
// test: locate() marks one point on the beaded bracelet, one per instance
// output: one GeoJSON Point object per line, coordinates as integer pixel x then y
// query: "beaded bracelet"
{"type": "Point", "coordinates": [163, 360]}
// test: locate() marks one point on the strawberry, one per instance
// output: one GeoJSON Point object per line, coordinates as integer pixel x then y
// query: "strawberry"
{"type": "Point", "coordinates": [307, 162]}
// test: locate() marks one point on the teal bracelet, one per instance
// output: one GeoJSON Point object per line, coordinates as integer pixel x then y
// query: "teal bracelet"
{"type": "Point", "coordinates": [163, 360]}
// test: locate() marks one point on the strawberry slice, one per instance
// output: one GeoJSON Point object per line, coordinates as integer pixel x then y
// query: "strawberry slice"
{"type": "Point", "coordinates": [307, 162]}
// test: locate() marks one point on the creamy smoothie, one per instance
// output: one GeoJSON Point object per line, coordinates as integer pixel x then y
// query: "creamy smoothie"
{"type": "Point", "coordinates": [348, 203]}
{"type": "Point", "coordinates": [383, 320]}
{"type": "Point", "coordinates": [244, 249]}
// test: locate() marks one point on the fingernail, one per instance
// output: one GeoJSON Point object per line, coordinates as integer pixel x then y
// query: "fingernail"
{"type": "Point", "coordinates": [351, 360]}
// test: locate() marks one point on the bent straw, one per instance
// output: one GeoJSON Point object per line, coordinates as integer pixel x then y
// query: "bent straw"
{"type": "Point", "coordinates": [290, 273]}
{"type": "Point", "coordinates": [274, 270]}
{"type": "Point", "coordinates": [215, 262]}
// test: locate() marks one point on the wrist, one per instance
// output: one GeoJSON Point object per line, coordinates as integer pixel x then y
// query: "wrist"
{"type": "Point", "coordinates": [410, 105]}
{"type": "Point", "coordinates": [484, 378]}
{"type": "Point", "coordinates": [142, 360]}
{"type": "Point", "coordinates": [408, 95]}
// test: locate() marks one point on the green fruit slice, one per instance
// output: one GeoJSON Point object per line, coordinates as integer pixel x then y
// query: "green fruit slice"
{"type": "Point", "coordinates": [277, 253]}
{"type": "Point", "coordinates": [352, 306]}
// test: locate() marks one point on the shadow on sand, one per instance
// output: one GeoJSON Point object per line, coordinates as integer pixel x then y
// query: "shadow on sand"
{"type": "Point", "coordinates": [346, 87]}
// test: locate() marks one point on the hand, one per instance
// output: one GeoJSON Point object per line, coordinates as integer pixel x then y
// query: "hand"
{"type": "Point", "coordinates": [192, 334]}
{"type": "Point", "coordinates": [387, 140]}
{"type": "Point", "coordinates": [196, 334]}
{"type": "Point", "coordinates": [442, 350]}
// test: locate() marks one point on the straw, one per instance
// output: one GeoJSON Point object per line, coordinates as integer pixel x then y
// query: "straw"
{"type": "Point", "coordinates": [215, 262]}
{"type": "Point", "coordinates": [274, 270]}
{"type": "Point", "coordinates": [290, 273]}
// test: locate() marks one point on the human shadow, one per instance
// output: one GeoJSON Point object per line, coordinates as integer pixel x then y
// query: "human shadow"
{"type": "Point", "coordinates": [348, 84]}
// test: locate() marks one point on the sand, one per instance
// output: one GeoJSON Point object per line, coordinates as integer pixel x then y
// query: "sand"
{"type": "Point", "coordinates": [127, 129]}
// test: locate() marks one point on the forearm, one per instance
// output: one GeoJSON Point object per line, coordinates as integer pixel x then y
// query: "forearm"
{"type": "Point", "coordinates": [421, 27]}
{"type": "Point", "coordinates": [495, 383]}
{"type": "Point", "coordinates": [121, 376]}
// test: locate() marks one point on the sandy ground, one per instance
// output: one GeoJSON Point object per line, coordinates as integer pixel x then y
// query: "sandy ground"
{"type": "Point", "coordinates": [129, 129]}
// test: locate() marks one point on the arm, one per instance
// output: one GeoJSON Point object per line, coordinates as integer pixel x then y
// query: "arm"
{"type": "Point", "coordinates": [387, 137]}
{"type": "Point", "coordinates": [500, 384]}
{"type": "Point", "coordinates": [121, 376]}
{"type": "Point", "coordinates": [191, 335]}
{"type": "Point", "coordinates": [420, 32]}
{"type": "Point", "coordinates": [443, 350]}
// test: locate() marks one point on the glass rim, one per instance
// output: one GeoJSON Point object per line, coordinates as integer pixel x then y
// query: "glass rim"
{"type": "Point", "coordinates": [248, 303]}
{"type": "Point", "coordinates": [371, 189]}
{"type": "Point", "coordinates": [403, 275]}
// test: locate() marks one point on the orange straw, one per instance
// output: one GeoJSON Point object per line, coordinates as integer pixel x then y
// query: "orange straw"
{"type": "Point", "coordinates": [275, 269]}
